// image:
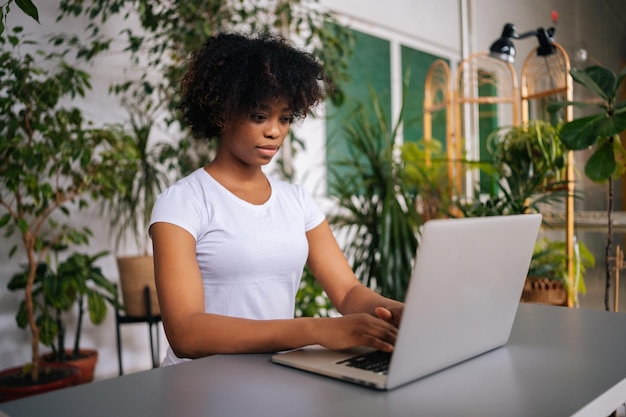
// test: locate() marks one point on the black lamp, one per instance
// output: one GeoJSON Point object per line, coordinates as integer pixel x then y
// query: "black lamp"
{"type": "Point", "coordinates": [504, 49]}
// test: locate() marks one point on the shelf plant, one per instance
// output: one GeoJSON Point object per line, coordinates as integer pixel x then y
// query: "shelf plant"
{"type": "Point", "coordinates": [549, 264]}
{"type": "Point", "coordinates": [529, 174]}
{"type": "Point", "coordinates": [528, 171]}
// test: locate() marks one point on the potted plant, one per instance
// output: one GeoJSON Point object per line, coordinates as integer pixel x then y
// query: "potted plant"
{"type": "Point", "coordinates": [547, 280]}
{"type": "Point", "coordinates": [601, 131]}
{"type": "Point", "coordinates": [527, 171]}
{"type": "Point", "coordinates": [130, 208]}
{"type": "Point", "coordinates": [76, 282]}
{"type": "Point", "coordinates": [52, 162]}
{"type": "Point", "coordinates": [376, 204]}
{"type": "Point", "coordinates": [426, 167]}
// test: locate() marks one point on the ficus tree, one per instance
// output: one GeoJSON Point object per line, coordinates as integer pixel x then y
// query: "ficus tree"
{"type": "Point", "coordinates": [599, 130]}
{"type": "Point", "coordinates": [52, 161]}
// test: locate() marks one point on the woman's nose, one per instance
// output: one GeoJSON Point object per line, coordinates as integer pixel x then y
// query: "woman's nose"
{"type": "Point", "coordinates": [272, 129]}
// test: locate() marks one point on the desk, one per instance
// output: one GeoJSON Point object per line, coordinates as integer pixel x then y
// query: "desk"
{"type": "Point", "coordinates": [559, 362]}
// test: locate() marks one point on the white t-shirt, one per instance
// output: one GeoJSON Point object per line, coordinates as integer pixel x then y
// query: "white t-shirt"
{"type": "Point", "coordinates": [251, 257]}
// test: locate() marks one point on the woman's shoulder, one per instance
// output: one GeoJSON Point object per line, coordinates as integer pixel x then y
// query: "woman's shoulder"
{"type": "Point", "coordinates": [194, 181]}
{"type": "Point", "coordinates": [188, 187]}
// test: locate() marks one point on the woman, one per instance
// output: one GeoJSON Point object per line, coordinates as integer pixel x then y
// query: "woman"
{"type": "Point", "coordinates": [229, 242]}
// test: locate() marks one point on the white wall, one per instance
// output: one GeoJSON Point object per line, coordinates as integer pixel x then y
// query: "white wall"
{"type": "Point", "coordinates": [434, 26]}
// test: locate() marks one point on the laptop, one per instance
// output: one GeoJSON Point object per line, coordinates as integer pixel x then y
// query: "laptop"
{"type": "Point", "coordinates": [461, 302]}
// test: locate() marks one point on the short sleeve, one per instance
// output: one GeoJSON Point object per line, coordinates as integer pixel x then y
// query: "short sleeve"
{"type": "Point", "coordinates": [314, 215]}
{"type": "Point", "coordinates": [178, 206]}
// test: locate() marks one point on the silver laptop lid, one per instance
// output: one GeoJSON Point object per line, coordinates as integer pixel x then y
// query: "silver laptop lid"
{"type": "Point", "coordinates": [464, 292]}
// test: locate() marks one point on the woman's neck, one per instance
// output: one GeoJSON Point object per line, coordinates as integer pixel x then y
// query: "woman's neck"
{"type": "Point", "coordinates": [250, 185]}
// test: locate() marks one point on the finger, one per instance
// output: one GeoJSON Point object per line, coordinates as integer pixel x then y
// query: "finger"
{"type": "Point", "coordinates": [396, 313]}
{"type": "Point", "coordinates": [390, 316]}
{"type": "Point", "coordinates": [383, 314]}
{"type": "Point", "coordinates": [385, 333]}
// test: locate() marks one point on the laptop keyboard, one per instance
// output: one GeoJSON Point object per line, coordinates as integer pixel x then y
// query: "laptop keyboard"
{"type": "Point", "coordinates": [376, 361]}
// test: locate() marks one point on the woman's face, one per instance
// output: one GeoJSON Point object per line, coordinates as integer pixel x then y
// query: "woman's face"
{"type": "Point", "coordinates": [254, 139]}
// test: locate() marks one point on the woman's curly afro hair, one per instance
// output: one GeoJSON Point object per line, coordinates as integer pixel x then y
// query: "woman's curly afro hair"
{"type": "Point", "coordinates": [232, 75]}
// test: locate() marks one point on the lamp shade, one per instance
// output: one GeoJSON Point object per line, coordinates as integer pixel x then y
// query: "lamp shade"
{"type": "Point", "coordinates": [503, 47]}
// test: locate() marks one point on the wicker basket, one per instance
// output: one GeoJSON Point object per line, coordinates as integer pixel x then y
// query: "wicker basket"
{"type": "Point", "coordinates": [544, 291]}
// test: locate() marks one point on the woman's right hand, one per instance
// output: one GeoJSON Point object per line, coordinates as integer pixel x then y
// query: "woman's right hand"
{"type": "Point", "coordinates": [359, 329]}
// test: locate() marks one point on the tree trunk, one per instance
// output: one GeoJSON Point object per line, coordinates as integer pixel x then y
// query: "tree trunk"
{"type": "Point", "coordinates": [29, 243]}
{"type": "Point", "coordinates": [609, 246]}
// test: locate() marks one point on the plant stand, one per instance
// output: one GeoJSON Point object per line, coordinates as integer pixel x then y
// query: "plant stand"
{"type": "Point", "coordinates": [153, 329]}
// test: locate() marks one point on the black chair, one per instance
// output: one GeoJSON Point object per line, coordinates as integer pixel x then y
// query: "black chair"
{"type": "Point", "coordinates": [153, 330]}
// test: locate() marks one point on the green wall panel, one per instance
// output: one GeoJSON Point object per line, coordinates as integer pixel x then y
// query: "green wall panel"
{"type": "Point", "coordinates": [415, 66]}
{"type": "Point", "coordinates": [370, 72]}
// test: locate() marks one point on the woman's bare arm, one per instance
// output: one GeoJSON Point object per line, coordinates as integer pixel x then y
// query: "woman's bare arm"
{"type": "Point", "coordinates": [193, 333]}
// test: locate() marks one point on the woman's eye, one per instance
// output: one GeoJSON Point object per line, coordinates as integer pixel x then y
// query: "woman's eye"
{"type": "Point", "coordinates": [287, 119]}
{"type": "Point", "coordinates": [258, 117]}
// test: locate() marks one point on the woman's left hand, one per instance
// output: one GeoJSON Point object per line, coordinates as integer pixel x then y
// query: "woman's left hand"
{"type": "Point", "coordinates": [391, 315]}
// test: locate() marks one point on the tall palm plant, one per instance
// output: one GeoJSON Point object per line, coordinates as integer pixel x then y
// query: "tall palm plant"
{"type": "Point", "coordinates": [376, 205]}
{"type": "Point", "coordinates": [130, 208]}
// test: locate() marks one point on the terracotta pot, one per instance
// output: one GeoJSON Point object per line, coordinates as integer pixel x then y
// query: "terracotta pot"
{"type": "Point", "coordinates": [52, 376]}
{"type": "Point", "coordinates": [86, 364]}
{"type": "Point", "coordinates": [137, 273]}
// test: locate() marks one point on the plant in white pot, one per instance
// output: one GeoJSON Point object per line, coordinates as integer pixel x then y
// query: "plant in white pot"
{"type": "Point", "coordinates": [52, 161]}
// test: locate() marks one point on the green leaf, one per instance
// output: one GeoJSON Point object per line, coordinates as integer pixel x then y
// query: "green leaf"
{"type": "Point", "coordinates": [48, 329]}
{"type": "Point", "coordinates": [4, 220]}
{"type": "Point", "coordinates": [21, 317]}
{"type": "Point", "coordinates": [600, 80]}
{"type": "Point", "coordinates": [611, 126]}
{"type": "Point", "coordinates": [23, 225]}
{"type": "Point", "coordinates": [581, 133]}
{"type": "Point", "coordinates": [18, 281]}
{"type": "Point", "coordinates": [97, 307]}
{"type": "Point", "coordinates": [554, 106]}
{"type": "Point", "coordinates": [601, 165]}
{"type": "Point", "coordinates": [29, 8]}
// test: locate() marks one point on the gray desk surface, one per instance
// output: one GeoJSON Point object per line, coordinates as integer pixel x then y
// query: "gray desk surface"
{"type": "Point", "coordinates": [559, 362]}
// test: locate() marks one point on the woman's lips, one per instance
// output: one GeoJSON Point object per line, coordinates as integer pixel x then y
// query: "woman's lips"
{"type": "Point", "coordinates": [269, 151]}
